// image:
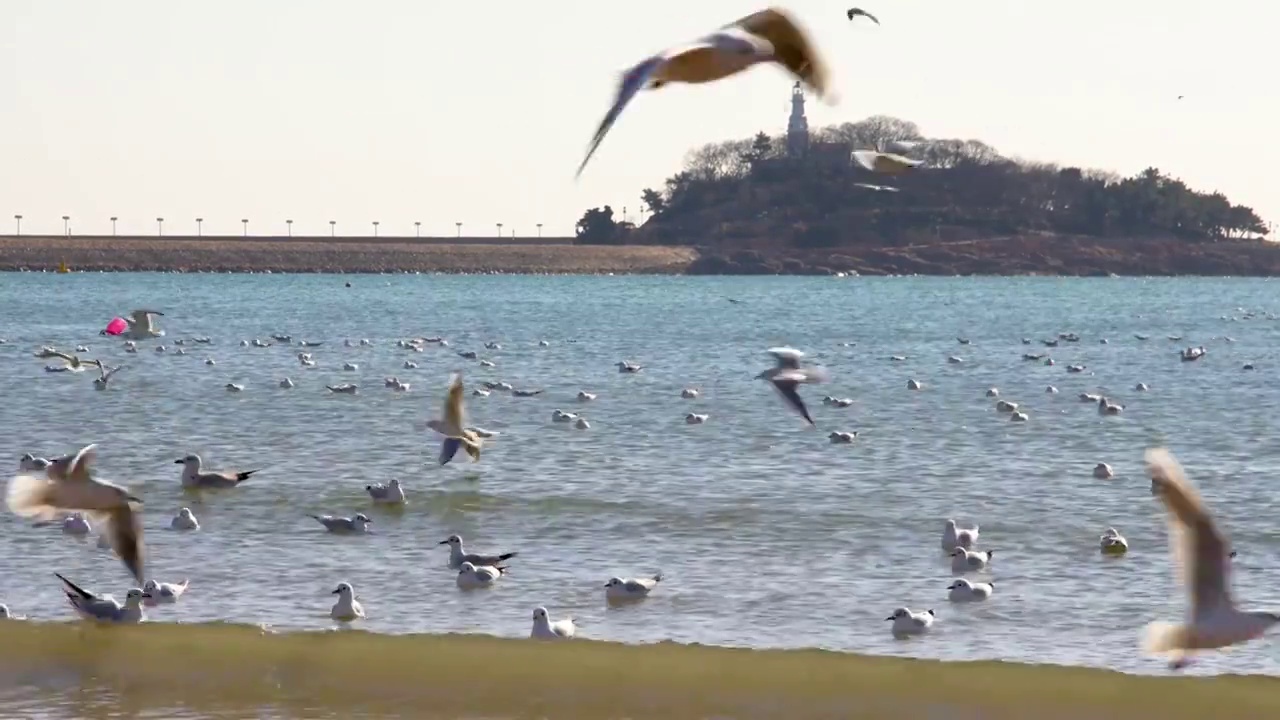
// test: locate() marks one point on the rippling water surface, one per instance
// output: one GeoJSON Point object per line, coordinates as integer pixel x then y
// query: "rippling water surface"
{"type": "Point", "coordinates": [769, 536]}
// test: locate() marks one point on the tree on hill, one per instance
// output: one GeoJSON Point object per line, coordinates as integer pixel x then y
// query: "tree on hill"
{"type": "Point", "coordinates": [749, 193]}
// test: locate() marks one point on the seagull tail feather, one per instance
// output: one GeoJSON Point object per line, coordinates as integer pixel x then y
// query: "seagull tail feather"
{"type": "Point", "coordinates": [1164, 638]}
{"type": "Point", "coordinates": [31, 496]}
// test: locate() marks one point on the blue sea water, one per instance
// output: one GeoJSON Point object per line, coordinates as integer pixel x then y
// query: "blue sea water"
{"type": "Point", "coordinates": [768, 535]}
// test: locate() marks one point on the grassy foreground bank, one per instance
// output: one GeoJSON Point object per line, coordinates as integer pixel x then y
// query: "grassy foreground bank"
{"type": "Point", "coordinates": [221, 670]}
{"type": "Point", "coordinates": [341, 255]}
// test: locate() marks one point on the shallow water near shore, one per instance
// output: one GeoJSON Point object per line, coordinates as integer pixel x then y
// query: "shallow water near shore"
{"type": "Point", "coordinates": [769, 536]}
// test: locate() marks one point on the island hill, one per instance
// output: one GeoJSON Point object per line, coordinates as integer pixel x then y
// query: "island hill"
{"type": "Point", "coordinates": [796, 204]}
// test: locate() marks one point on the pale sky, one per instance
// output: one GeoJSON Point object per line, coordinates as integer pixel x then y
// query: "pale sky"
{"type": "Point", "coordinates": [479, 112]}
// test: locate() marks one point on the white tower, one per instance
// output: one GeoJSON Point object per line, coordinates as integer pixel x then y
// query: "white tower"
{"type": "Point", "coordinates": [797, 124]}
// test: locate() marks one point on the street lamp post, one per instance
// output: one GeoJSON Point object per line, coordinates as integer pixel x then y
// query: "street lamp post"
{"type": "Point", "coordinates": [417, 229]}
{"type": "Point", "coordinates": [159, 227]}
{"type": "Point", "coordinates": [199, 227]}
{"type": "Point", "coordinates": [459, 229]}
{"type": "Point", "coordinates": [499, 230]}
{"type": "Point", "coordinates": [244, 222]}
{"type": "Point", "coordinates": [539, 231]}
{"type": "Point", "coordinates": [66, 225]}
{"type": "Point", "coordinates": [17, 220]}
{"type": "Point", "coordinates": [332, 227]}
{"type": "Point", "coordinates": [375, 228]}
{"type": "Point", "coordinates": [289, 223]}
{"type": "Point", "coordinates": [113, 225]}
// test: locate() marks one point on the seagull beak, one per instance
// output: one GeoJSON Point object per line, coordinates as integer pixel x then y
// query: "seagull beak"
{"type": "Point", "coordinates": [443, 542]}
{"type": "Point", "coordinates": [889, 618]}
{"type": "Point", "coordinates": [147, 595]}
{"type": "Point", "coordinates": [178, 462]}
{"type": "Point", "coordinates": [335, 592]}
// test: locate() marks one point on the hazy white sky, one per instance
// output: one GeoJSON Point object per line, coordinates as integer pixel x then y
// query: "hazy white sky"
{"type": "Point", "coordinates": [479, 112]}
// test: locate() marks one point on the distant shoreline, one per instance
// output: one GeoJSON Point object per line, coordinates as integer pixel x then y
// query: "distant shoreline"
{"type": "Point", "coordinates": [478, 255]}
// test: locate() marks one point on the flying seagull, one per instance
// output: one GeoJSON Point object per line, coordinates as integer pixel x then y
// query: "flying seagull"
{"type": "Point", "coordinates": [1202, 564]}
{"type": "Point", "coordinates": [788, 375]}
{"type": "Point", "coordinates": [855, 12]}
{"type": "Point", "coordinates": [141, 326]}
{"type": "Point", "coordinates": [876, 188]}
{"type": "Point", "coordinates": [882, 162]}
{"type": "Point", "coordinates": [452, 425]}
{"type": "Point", "coordinates": [763, 37]}
{"type": "Point", "coordinates": [67, 485]}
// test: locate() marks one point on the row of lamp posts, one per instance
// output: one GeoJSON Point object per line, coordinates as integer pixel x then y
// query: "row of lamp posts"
{"type": "Point", "coordinates": [333, 224]}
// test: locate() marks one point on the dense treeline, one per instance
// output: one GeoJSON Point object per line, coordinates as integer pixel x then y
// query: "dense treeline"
{"type": "Point", "coordinates": [752, 194]}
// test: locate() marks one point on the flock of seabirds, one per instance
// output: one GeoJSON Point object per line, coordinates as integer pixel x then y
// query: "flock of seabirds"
{"type": "Point", "coordinates": [64, 489]}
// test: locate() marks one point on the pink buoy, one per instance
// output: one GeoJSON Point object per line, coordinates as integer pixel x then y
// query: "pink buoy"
{"type": "Point", "coordinates": [117, 326]}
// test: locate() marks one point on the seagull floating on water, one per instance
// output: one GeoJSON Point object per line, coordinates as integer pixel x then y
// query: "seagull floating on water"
{"type": "Point", "coordinates": [76, 525]}
{"type": "Point", "coordinates": [67, 485]}
{"type": "Point", "coordinates": [388, 494]}
{"type": "Point", "coordinates": [907, 623]}
{"type": "Point", "coordinates": [194, 478]}
{"type": "Point", "coordinates": [961, 590]}
{"type": "Point", "coordinates": [1202, 563]}
{"type": "Point", "coordinates": [954, 536]}
{"type": "Point", "coordinates": [347, 608]}
{"type": "Point", "coordinates": [963, 560]}
{"type": "Point", "coordinates": [459, 555]}
{"type": "Point", "coordinates": [184, 520]}
{"type": "Point", "coordinates": [1112, 542]}
{"type": "Point", "coordinates": [768, 36]}
{"type": "Point", "coordinates": [358, 523]}
{"type": "Point", "coordinates": [162, 593]}
{"type": "Point", "coordinates": [622, 589]}
{"type": "Point", "coordinates": [31, 463]}
{"type": "Point", "coordinates": [104, 608]}
{"type": "Point", "coordinates": [544, 629]}
{"type": "Point", "coordinates": [471, 576]}
{"type": "Point", "coordinates": [788, 375]}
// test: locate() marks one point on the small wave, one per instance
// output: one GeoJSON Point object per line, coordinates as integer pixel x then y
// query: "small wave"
{"type": "Point", "coordinates": [228, 670]}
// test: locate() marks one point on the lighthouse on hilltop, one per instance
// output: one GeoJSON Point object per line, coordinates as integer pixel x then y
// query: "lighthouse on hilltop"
{"type": "Point", "coordinates": [797, 125]}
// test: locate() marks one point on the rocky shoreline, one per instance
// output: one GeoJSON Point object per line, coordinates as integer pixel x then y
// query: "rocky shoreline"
{"type": "Point", "coordinates": [313, 255]}
{"type": "Point", "coordinates": [1018, 255]}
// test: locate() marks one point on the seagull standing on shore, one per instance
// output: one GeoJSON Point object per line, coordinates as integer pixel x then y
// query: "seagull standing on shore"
{"type": "Point", "coordinates": [452, 425]}
{"type": "Point", "coordinates": [65, 486]}
{"type": "Point", "coordinates": [768, 36]}
{"type": "Point", "coordinates": [1202, 564]}
{"type": "Point", "coordinates": [788, 375]}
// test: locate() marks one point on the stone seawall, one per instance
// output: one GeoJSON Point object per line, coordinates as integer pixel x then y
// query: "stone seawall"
{"type": "Point", "coordinates": [353, 255]}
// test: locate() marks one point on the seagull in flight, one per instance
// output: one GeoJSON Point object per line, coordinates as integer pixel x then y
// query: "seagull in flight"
{"type": "Point", "coordinates": [788, 375]}
{"type": "Point", "coordinates": [855, 12]}
{"type": "Point", "coordinates": [767, 36]}
{"type": "Point", "coordinates": [1202, 563]}
{"type": "Point", "coordinates": [67, 485]}
{"type": "Point", "coordinates": [453, 425]}
{"type": "Point", "coordinates": [883, 162]}
{"type": "Point", "coordinates": [73, 361]}
{"type": "Point", "coordinates": [140, 325]}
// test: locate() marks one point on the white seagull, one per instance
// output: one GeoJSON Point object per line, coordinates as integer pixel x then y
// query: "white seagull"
{"type": "Point", "coordinates": [961, 590]}
{"type": "Point", "coordinates": [389, 494]}
{"type": "Point", "coordinates": [359, 523]}
{"type": "Point", "coordinates": [104, 608]}
{"type": "Point", "coordinates": [458, 554]}
{"type": "Point", "coordinates": [544, 629]}
{"type": "Point", "coordinates": [954, 536]}
{"type": "Point", "coordinates": [471, 576]}
{"type": "Point", "coordinates": [193, 478]}
{"type": "Point", "coordinates": [67, 485]}
{"type": "Point", "coordinates": [788, 375]}
{"type": "Point", "coordinates": [621, 589]}
{"type": "Point", "coordinates": [141, 326]}
{"type": "Point", "coordinates": [907, 623]}
{"type": "Point", "coordinates": [768, 36]}
{"type": "Point", "coordinates": [158, 593]}
{"type": "Point", "coordinates": [347, 608]}
{"type": "Point", "coordinates": [1202, 563]}
{"type": "Point", "coordinates": [184, 520]}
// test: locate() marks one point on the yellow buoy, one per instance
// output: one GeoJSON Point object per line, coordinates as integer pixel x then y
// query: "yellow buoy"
{"type": "Point", "coordinates": [62, 267]}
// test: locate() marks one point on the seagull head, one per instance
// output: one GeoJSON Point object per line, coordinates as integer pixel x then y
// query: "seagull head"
{"type": "Point", "coordinates": [452, 540]}
{"type": "Point", "coordinates": [613, 582]}
{"type": "Point", "coordinates": [899, 613]}
{"type": "Point", "coordinates": [344, 589]}
{"type": "Point", "coordinates": [191, 460]}
{"type": "Point", "coordinates": [539, 613]}
{"type": "Point", "coordinates": [467, 567]}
